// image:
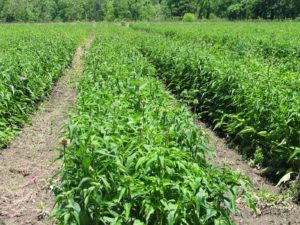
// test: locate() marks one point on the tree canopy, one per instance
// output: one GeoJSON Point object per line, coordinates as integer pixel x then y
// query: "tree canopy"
{"type": "Point", "coordinates": [111, 10]}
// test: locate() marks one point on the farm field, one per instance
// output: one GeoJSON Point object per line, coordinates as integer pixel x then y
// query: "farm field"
{"type": "Point", "coordinates": [32, 57]}
{"type": "Point", "coordinates": [135, 154]}
{"type": "Point", "coordinates": [131, 151]}
{"type": "Point", "coordinates": [246, 83]}
{"type": "Point", "coordinates": [266, 41]}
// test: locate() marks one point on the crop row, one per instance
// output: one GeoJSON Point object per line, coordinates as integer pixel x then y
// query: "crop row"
{"type": "Point", "coordinates": [31, 59]}
{"type": "Point", "coordinates": [258, 106]}
{"type": "Point", "coordinates": [276, 45]}
{"type": "Point", "coordinates": [135, 155]}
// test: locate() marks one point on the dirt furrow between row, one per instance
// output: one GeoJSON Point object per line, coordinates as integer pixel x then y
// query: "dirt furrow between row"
{"type": "Point", "coordinates": [272, 206]}
{"type": "Point", "coordinates": [27, 165]}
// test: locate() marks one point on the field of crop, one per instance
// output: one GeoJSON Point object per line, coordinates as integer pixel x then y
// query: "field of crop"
{"type": "Point", "coordinates": [32, 57]}
{"type": "Point", "coordinates": [244, 78]}
{"type": "Point", "coordinates": [136, 155]}
{"type": "Point", "coordinates": [133, 152]}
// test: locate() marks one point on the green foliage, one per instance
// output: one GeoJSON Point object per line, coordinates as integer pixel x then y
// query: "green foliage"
{"type": "Point", "coordinates": [135, 154]}
{"type": "Point", "coordinates": [31, 60]}
{"type": "Point", "coordinates": [258, 156]}
{"type": "Point", "coordinates": [235, 11]}
{"type": "Point", "coordinates": [213, 16]}
{"type": "Point", "coordinates": [246, 84]}
{"type": "Point", "coordinates": [189, 17]}
{"type": "Point", "coordinates": [124, 24]}
{"type": "Point", "coordinates": [111, 10]}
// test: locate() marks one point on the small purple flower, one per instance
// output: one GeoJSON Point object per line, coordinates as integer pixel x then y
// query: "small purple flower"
{"type": "Point", "coordinates": [34, 179]}
{"type": "Point", "coordinates": [23, 78]}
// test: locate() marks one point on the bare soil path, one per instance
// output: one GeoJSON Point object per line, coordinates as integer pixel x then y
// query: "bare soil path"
{"type": "Point", "coordinates": [273, 208]}
{"type": "Point", "coordinates": [26, 166]}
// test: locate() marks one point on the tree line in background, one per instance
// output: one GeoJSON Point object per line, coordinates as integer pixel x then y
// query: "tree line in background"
{"type": "Point", "coordinates": [112, 10]}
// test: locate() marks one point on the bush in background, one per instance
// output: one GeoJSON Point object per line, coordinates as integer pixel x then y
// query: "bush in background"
{"type": "Point", "coordinates": [189, 17]}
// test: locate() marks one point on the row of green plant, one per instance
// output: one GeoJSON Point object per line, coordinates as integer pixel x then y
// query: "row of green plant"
{"type": "Point", "coordinates": [31, 59]}
{"type": "Point", "coordinates": [258, 106]}
{"type": "Point", "coordinates": [276, 44]}
{"type": "Point", "coordinates": [135, 155]}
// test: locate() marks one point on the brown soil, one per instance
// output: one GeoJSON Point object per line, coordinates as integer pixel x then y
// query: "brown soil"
{"type": "Point", "coordinates": [27, 165]}
{"type": "Point", "coordinates": [272, 206]}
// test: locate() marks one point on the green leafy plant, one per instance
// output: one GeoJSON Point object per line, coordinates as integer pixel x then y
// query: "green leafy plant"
{"type": "Point", "coordinates": [239, 80]}
{"type": "Point", "coordinates": [31, 60]}
{"type": "Point", "coordinates": [189, 17]}
{"type": "Point", "coordinates": [135, 155]}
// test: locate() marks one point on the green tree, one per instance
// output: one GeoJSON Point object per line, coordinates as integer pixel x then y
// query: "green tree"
{"type": "Point", "coordinates": [109, 10]}
{"type": "Point", "coordinates": [235, 11]}
{"type": "Point", "coordinates": [121, 9]}
{"type": "Point", "coordinates": [72, 10]}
